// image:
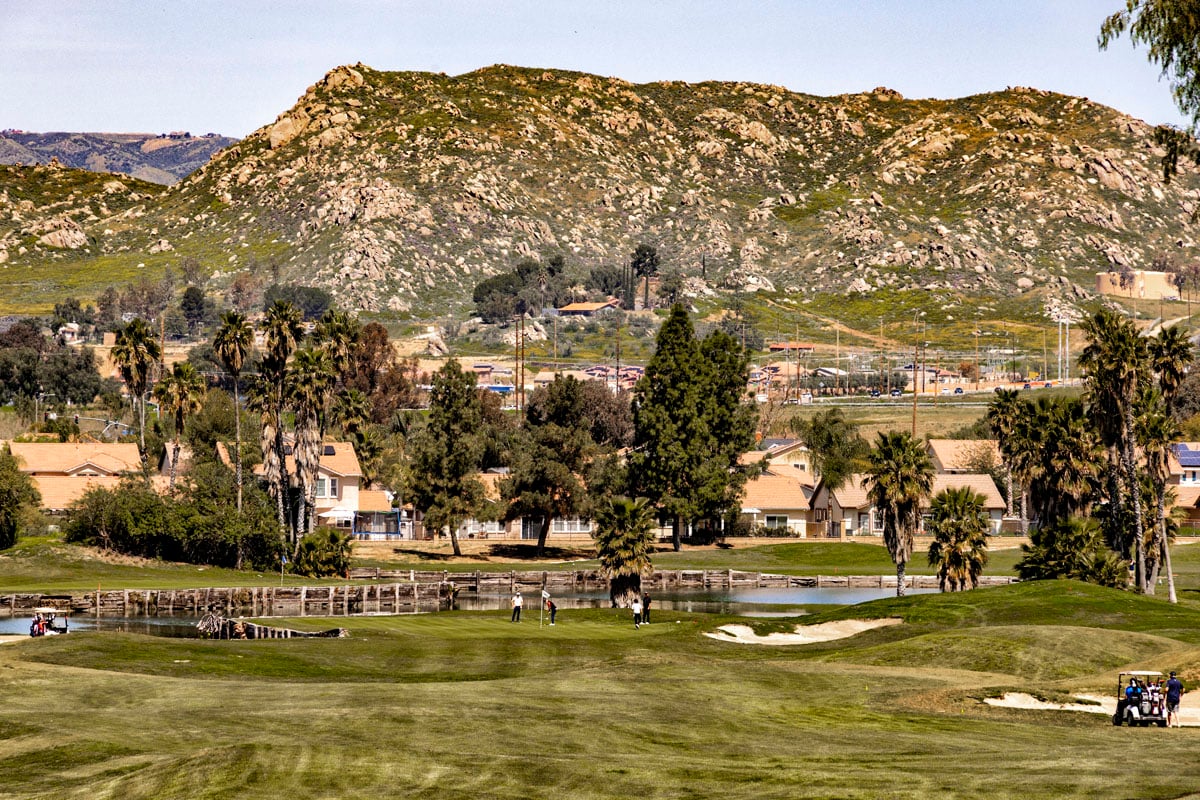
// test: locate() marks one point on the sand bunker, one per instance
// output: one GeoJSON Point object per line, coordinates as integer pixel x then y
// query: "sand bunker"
{"type": "Point", "coordinates": [1188, 717]}
{"type": "Point", "coordinates": [804, 634]}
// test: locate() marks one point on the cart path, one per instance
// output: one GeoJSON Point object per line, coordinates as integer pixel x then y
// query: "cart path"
{"type": "Point", "coordinates": [1188, 717]}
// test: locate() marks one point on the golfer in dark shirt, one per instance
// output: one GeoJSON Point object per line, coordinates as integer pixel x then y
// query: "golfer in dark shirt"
{"type": "Point", "coordinates": [1174, 694]}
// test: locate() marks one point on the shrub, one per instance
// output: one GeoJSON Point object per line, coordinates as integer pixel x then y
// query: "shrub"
{"type": "Point", "coordinates": [322, 553]}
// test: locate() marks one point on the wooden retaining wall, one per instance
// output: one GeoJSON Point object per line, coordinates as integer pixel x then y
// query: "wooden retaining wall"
{"type": "Point", "coordinates": [253, 601]}
{"type": "Point", "coordinates": [502, 583]}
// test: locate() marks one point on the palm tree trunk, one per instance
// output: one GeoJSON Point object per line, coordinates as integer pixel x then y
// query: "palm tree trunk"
{"type": "Point", "coordinates": [174, 462]}
{"type": "Point", "coordinates": [1166, 559]}
{"type": "Point", "coordinates": [283, 474]}
{"type": "Point", "coordinates": [1136, 495]}
{"type": "Point", "coordinates": [142, 426]}
{"type": "Point", "coordinates": [900, 578]}
{"type": "Point", "coordinates": [1024, 511]}
{"type": "Point", "coordinates": [237, 422]}
{"type": "Point", "coordinates": [1009, 487]}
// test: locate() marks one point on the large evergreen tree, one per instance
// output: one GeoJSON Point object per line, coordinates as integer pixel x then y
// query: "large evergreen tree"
{"type": "Point", "coordinates": [445, 454]}
{"type": "Point", "coordinates": [550, 458]}
{"type": "Point", "coordinates": [17, 492]}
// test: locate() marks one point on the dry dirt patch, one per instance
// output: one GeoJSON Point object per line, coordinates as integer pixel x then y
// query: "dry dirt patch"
{"type": "Point", "coordinates": [804, 634]}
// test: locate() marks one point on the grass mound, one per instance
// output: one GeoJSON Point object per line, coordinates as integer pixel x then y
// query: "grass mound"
{"type": "Point", "coordinates": [1030, 652]}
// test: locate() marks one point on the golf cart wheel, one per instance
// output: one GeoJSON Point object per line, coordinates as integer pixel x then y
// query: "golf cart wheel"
{"type": "Point", "coordinates": [1117, 720]}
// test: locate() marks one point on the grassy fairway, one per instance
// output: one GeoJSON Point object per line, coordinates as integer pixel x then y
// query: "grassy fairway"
{"type": "Point", "coordinates": [467, 705]}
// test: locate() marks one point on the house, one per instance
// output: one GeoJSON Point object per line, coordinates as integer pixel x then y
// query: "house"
{"type": "Point", "coordinates": [778, 501]}
{"type": "Point", "coordinates": [790, 347]}
{"type": "Point", "coordinates": [791, 453]}
{"type": "Point", "coordinates": [63, 472]}
{"type": "Point", "coordinates": [587, 309]}
{"type": "Point", "coordinates": [958, 456]}
{"type": "Point", "coordinates": [338, 480]}
{"type": "Point", "coordinates": [850, 513]}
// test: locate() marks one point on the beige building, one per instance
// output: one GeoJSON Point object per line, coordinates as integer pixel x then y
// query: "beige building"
{"type": "Point", "coordinates": [63, 472]}
{"type": "Point", "coordinates": [958, 456]}
{"type": "Point", "coordinates": [1141, 283]}
{"type": "Point", "coordinates": [851, 514]}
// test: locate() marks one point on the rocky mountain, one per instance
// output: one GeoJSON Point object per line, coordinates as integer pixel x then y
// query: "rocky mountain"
{"type": "Point", "coordinates": [159, 158]}
{"type": "Point", "coordinates": [399, 191]}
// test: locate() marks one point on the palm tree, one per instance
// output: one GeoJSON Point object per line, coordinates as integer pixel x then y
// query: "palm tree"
{"type": "Point", "coordinates": [180, 393]}
{"type": "Point", "coordinates": [959, 549]}
{"type": "Point", "coordinates": [283, 326]}
{"type": "Point", "coordinates": [232, 344]}
{"type": "Point", "coordinates": [624, 535]}
{"type": "Point", "coordinates": [1056, 453]}
{"type": "Point", "coordinates": [899, 477]}
{"type": "Point", "coordinates": [1170, 355]}
{"type": "Point", "coordinates": [309, 379]}
{"type": "Point", "coordinates": [135, 353]}
{"type": "Point", "coordinates": [338, 332]}
{"type": "Point", "coordinates": [1156, 432]}
{"type": "Point", "coordinates": [837, 452]}
{"type": "Point", "coordinates": [1115, 363]}
{"type": "Point", "coordinates": [1003, 414]}
{"type": "Point", "coordinates": [261, 399]}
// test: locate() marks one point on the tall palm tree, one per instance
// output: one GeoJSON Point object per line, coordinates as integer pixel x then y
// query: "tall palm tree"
{"type": "Point", "coordinates": [959, 526]}
{"type": "Point", "coordinates": [283, 326]}
{"type": "Point", "coordinates": [338, 333]}
{"type": "Point", "coordinates": [899, 477]}
{"type": "Point", "coordinates": [135, 353]}
{"type": "Point", "coordinates": [309, 379]}
{"type": "Point", "coordinates": [1003, 414]}
{"type": "Point", "coordinates": [232, 344]}
{"type": "Point", "coordinates": [1056, 452]}
{"type": "Point", "coordinates": [837, 452]}
{"type": "Point", "coordinates": [179, 393]}
{"type": "Point", "coordinates": [260, 398]}
{"type": "Point", "coordinates": [1115, 363]}
{"type": "Point", "coordinates": [1170, 355]}
{"type": "Point", "coordinates": [1156, 432]}
{"type": "Point", "coordinates": [624, 535]}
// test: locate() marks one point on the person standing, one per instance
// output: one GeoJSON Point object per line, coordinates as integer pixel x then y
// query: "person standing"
{"type": "Point", "coordinates": [552, 608]}
{"type": "Point", "coordinates": [1174, 695]}
{"type": "Point", "coordinates": [645, 608]}
{"type": "Point", "coordinates": [517, 602]}
{"type": "Point", "coordinates": [636, 605]}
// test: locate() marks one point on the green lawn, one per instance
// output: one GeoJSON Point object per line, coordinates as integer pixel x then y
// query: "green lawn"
{"type": "Point", "coordinates": [468, 705]}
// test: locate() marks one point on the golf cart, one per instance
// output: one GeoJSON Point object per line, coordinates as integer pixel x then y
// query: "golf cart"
{"type": "Point", "coordinates": [44, 619]}
{"type": "Point", "coordinates": [1146, 705]}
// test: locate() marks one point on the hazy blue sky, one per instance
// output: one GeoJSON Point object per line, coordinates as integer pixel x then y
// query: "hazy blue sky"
{"type": "Point", "coordinates": [231, 67]}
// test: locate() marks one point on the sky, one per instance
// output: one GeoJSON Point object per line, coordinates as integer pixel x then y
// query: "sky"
{"type": "Point", "coordinates": [232, 67]}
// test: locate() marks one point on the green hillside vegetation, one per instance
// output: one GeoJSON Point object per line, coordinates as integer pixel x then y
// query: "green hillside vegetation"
{"type": "Point", "coordinates": [399, 192]}
{"type": "Point", "coordinates": [657, 712]}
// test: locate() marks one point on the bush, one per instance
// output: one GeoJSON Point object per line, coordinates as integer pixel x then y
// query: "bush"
{"type": "Point", "coordinates": [1072, 548]}
{"type": "Point", "coordinates": [323, 553]}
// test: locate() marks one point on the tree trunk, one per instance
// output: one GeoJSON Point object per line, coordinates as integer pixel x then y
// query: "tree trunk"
{"type": "Point", "coordinates": [283, 474]}
{"type": "Point", "coordinates": [543, 532]}
{"type": "Point", "coordinates": [454, 537]}
{"type": "Point", "coordinates": [142, 427]}
{"type": "Point", "coordinates": [646, 296]}
{"type": "Point", "coordinates": [1024, 512]}
{"type": "Point", "coordinates": [237, 455]}
{"type": "Point", "coordinates": [676, 542]}
{"type": "Point", "coordinates": [1009, 488]}
{"type": "Point", "coordinates": [1166, 559]}
{"type": "Point", "coordinates": [900, 578]}
{"type": "Point", "coordinates": [1135, 494]}
{"type": "Point", "coordinates": [174, 462]}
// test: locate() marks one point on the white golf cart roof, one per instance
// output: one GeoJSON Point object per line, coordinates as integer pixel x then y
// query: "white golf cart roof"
{"type": "Point", "coordinates": [1142, 672]}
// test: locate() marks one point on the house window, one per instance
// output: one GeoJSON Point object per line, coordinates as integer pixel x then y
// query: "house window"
{"type": "Point", "coordinates": [571, 525]}
{"type": "Point", "coordinates": [327, 487]}
{"type": "Point", "coordinates": [775, 521]}
{"type": "Point", "coordinates": [820, 514]}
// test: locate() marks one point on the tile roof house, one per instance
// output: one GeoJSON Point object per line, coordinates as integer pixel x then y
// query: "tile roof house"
{"type": "Point", "coordinates": [63, 472]}
{"type": "Point", "coordinates": [339, 477]}
{"type": "Point", "coordinates": [962, 455]}
{"type": "Point", "coordinates": [851, 512]}
{"type": "Point", "coordinates": [779, 501]}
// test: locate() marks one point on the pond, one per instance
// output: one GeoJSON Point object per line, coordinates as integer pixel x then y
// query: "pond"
{"type": "Point", "coordinates": [744, 601]}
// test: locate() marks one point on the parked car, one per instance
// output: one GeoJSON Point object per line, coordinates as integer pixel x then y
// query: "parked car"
{"type": "Point", "coordinates": [958, 390]}
{"type": "Point", "coordinates": [874, 393]}
{"type": "Point", "coordinates": [1047, 384]}
{"type": "Point", "coordinates": [1027, 386]}
{"type": "Point", "coordinates": [896, 392]}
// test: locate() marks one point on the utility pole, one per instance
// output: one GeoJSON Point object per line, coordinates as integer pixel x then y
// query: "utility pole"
{"type": "Point", "coordinates": [914, 389]}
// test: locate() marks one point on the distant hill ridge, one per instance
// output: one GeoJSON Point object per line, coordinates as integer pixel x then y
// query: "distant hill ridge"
{"type": "Point", "coordinates": [156, 157]}
{"type": "Point", "coordinates": [401, 190]}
